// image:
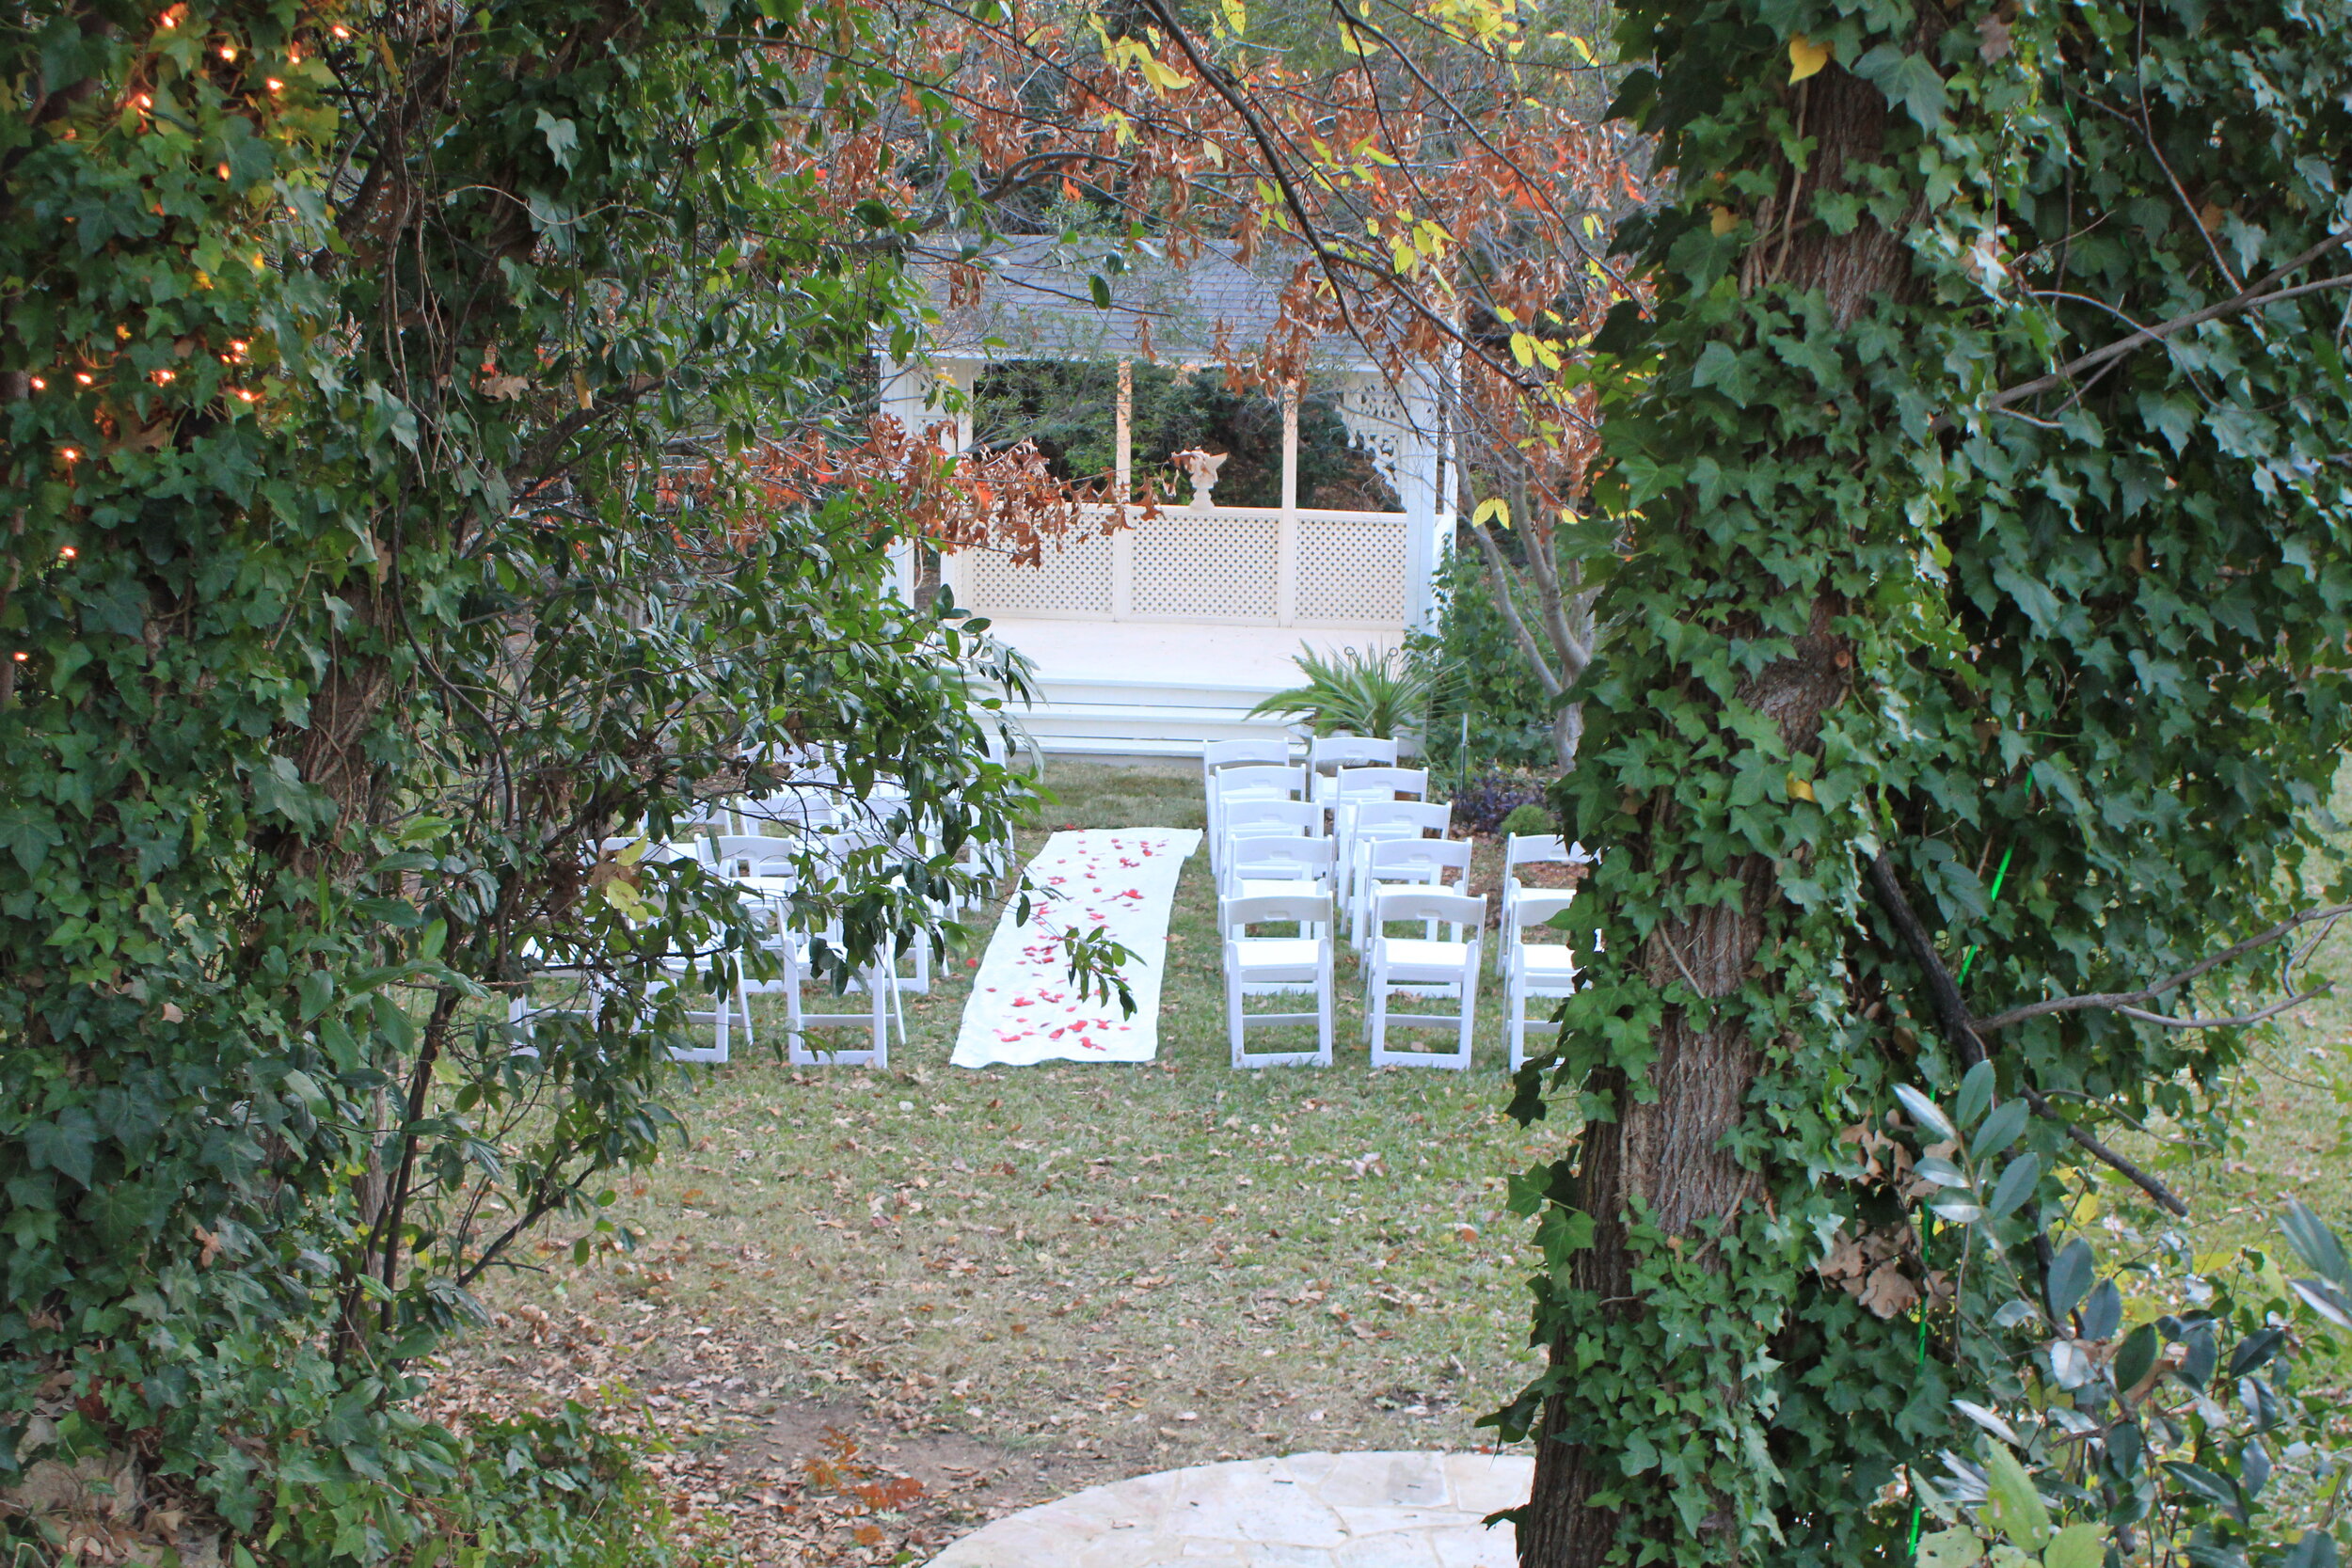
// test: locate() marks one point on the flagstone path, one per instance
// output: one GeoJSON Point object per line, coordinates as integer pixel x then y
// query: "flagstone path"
{"type": "Point", "coordinates": [1305, 1510]}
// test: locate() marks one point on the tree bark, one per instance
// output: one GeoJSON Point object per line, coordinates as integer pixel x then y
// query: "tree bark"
{"type": "Point", "coordinates": [1668, 1155]}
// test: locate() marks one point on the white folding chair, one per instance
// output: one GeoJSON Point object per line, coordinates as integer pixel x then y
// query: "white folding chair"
{"type": "Point", "coordinates": [1370, 821]}
{"type": "Point", "coordinates": [1247, 782]}
{"type": "Point", "coordinates": [1536, 970]}
{"type": "Point", "coordinates": [1527, 849]}
{"type": "Point", "coordinates": [1328, 755]}
{"type": "Point", "coordinates": [1278, 867]}
{"type": "Point", "coordinates": [1388, 861]}
{"type": "Point", "coordinates": [729, 1008]}
{"type": "Point", "coordinates": [1217, 755]}
{"type": "Point", "coordinates": [1260, 966]}
{"type": "Point", "coordinates": [1271, 818]}
{"type": "Point", "coordinates": [1444, 967]}
{"type": "Point", "coordinates": [1355, 788]}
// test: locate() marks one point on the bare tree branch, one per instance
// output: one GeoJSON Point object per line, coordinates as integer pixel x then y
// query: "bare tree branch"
{"type": "Point", "coordinates": [1951, 1011]}
{"type": "Point", "coordinates": [2129, 1001]}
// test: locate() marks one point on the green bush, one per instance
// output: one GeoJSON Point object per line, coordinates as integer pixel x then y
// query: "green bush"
{"type": "Point", "coordinates": [1530, 820]}
{"type": "Point", "coordinates": [1355, 692]}
{"type": "Point", "coordinates": [1486, 707]}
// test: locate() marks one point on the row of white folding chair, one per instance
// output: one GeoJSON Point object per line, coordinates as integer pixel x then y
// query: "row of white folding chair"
{"type": "Point", "coordinates": [768, 869]}
{"type": "Point", "coordinates": [1535, 970]}
{"type": "Point", "coordinates": [1278, 965]}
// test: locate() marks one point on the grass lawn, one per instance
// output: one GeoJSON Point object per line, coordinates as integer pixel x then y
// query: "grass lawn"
{"type": "Point", "coordinates": [1011, 1284]}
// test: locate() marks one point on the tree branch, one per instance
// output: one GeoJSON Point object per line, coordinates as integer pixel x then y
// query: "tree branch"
{"type": "Point", "coordinates": [1499, 570]}
{"type": "Point", "coordinates": [2253, 296]}
{"type": "Point", "coordinates": [1951, 1011]}
{"type": "Point", "coordinates": [2128, 1001]}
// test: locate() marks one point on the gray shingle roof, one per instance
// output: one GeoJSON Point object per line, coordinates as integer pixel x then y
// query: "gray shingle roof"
{"type": "Point", "coordinates": [1036, 299]}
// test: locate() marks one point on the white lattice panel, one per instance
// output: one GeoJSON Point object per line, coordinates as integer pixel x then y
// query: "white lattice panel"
{"type": "Point", "coordinates": [1351, 571]}
{"type": "Point", "coordinates": [1213, 565]}
{"type": "Point", "coordinates": [1076, 581]}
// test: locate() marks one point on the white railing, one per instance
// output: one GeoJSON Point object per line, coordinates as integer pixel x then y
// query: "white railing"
{"type": "Point", "coordinates": [1241, 565]}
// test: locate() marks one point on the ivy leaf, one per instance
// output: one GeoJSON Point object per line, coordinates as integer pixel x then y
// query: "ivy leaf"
{"type": "Point", "coordinates": [1805, 57]}
{"type": "Point", "coordinates": [1910, 80]}
{"type": "Point", "coordinates": [2012, 1506]}
{"type": "Point", "coordinates": [562, 137]}
{"type": "Point", "coordinates": [65, 1145]}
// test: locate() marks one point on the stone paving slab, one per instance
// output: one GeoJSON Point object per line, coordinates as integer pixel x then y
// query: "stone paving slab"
{"type": "Point", "coordinates": [1303, 1510]}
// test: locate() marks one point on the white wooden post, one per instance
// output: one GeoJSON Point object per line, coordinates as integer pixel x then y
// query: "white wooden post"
{"type": "Point", "coordinates": [902, 400]}
{"type": "Point", "coordinates": [1286, 527]}
{"type": "Point", "coordinates": [1122, 482]}
{"type": "Point", "coordinates": [1418, 457]}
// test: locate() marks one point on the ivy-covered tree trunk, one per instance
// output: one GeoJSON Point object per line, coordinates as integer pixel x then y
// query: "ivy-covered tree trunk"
{"type": "Point", "coordinates": [1982, 516]}
{"type": "Point", "coordinates": [1664, 1148]}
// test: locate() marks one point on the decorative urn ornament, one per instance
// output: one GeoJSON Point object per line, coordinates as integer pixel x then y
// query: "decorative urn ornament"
{"type": "Point", "coordinates": [1201, 468]}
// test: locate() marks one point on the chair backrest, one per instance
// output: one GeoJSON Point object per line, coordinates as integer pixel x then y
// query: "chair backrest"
{"type": "Point", "coordinates": [1217, 755]}
{"type": "Point", "coordinates": [1458, 910]}
{"type": "Point", "coordinates": [1281, 859]}
{"type": "Point", "coordinates": [757, 856]}
{"type": "Point", "coordinates": [1259, 779]}
{"type": "Point", "coordinates": [1371, 818]}
{"type": "Point", "coordinates": [1272, 815]}
{"type": "Point", "coordinates": [1418, 857]}
{"type": "Point", "coordinates": [1234, 916]}
{"type": "Point", "coordinates": [1537, 909]}
{"type": "Point", "coordinates": [1382, 783]}
{"type": "Point", "coordinates": [1328, 752]}
{"type": "Point", "coordinates": [1533, 849]}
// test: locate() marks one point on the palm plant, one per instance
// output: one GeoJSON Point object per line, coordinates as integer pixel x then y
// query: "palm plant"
{"type": "Point", "coordinates": [1378, 693]}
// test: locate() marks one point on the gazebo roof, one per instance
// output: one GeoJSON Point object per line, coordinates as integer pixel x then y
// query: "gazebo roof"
{"type": "Point", "coordinates": [1036, 300]}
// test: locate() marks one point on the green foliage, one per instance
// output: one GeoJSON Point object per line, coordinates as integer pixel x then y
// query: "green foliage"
{"type": "Point", "coordinates": [384, 528]}
{"type": "Point", "coordinates": [2094, 630]}
{"type": "Point", "coordinates": [2187, 1435]}
{"type": "Point", "coordinates": [1354, 691]}
{"type": "Point", "coordinates": [1486, 707]}
{"type": "Point", "coordinates": [1529, 819]}
{"type": "Point", "coordinates": [1070, 411]}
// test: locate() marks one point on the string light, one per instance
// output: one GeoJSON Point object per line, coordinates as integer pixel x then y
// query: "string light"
{"type": "Point", "coordinates": [143, 101]}
{"type": "Point", "coordinates": [249, 397]}
{"type": "Point", "coordinates": [68, 553]}
{"type": "Point", "coordinates": [40, 386]}
{"type": "Point", "coordinates": [274, 84]}
{"type": "Point", "coordinates": [71, 454]}
{"type": "Point", "coordinates": [21, 657]}
{"type": "Point", "coordinates": [224, 171]}
{"type": "Point", "coordinates": [339, 30]}
{"type": "Point", "coordinates": [161, 376]}
{"type": "Point", "coordinates": [228, 51]}
{"type": "Point", "coordinates": [84, 377]}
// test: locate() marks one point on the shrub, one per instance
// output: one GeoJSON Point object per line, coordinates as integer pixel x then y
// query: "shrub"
{"type": "Point", "coordinates": [1485, 706]}
{"type": "Point", "coordinates": [1485, 803]}
{"type": "Point", "coordinates": [1530, 819]}
{"type": "Point", "coordinates": [1355, 692]}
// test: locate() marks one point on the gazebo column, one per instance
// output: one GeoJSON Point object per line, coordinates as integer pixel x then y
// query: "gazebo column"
{"type": "Point", "coordinates": [904, 389]}
{"type": "Point", "coordinates": [1286, 527]}
{"type": "Point", "coordinates": [1419, 453]}
{"type": "Point", "coordinates": [1123, 485]}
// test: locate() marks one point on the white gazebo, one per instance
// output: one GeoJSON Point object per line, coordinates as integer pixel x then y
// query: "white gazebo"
{"type": "Point", "coordinates": [1168, 631]}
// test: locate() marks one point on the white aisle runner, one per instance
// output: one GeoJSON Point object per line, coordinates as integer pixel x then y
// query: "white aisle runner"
{"type": "Point", "coordinates": [1024, 1008]}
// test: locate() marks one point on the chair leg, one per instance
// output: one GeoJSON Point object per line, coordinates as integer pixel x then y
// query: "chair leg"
{"type": "Point", "coordinates": [1469, 1007]}
{"type": "Point", "coordinates": [1515, 1002]}
{"type": "Point", "coordinates": [1233, 1024]}
{"type": "Point", "coordinates": [1324, 1009]}
{"type": "Point", "coordinates": [1376, 1012]}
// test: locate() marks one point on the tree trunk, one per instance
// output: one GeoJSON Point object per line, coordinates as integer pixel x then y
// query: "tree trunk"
{"type": "Point", "coordinates": [1568, 734]}
{"type": "Point", "coordinates": [1669, 1154]}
